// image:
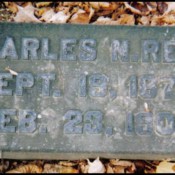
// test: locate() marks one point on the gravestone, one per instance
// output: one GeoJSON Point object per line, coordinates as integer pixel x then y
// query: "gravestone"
{"type": "Point", "coordinates": [82, 91]}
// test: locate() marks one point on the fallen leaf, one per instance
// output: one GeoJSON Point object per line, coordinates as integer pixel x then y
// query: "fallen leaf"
{"type": "Point", "coordinates": [119, 169]}
{"type": "Point", "coordinates": [95, 5]}
{"type": "Point", "coordinates": [68, 170]}
{"type": "Point", "coordinates": [59, 17]}
{"type": "Point", "coordinates": [26, 14]}
{"type": "Point", "coordinates": [83, 166]}
{"type": "Point", "coordinates": [11, 71]}
{"type": "Point", "coordinates": [104, 4]}
{"type": "Point", "coordinates": [123, 163]}
{"type": "Point", "coordinates": [11, 6]}
{"type": "Point", "coordinates": [71, 3]}
{"type": "Point", "coordinates": [144, 20]}
{"type": "Point", "coordinates": [51, 168]}
{"type": "Point", "coordinates": [96, 166]}
{"type": "Point", "coordinates": [103, 12]}
{"type": "Point", "coordinates": [30, 168]}
{"type": "Point", "coordinates": [134, 10]}
{"type": "Point", "coordinates": [47, 15]}
{"type": "Point", "coordinates": [165, 167]}
{"type": "Point", "coordinates": [169, 19]}
{"type": "Point", "coordinates": [105, 21]}
{"type": "Point", "coordinates": [81, 17]}
{"type": "Point", "coordinates": [126, 19]}
{"type": "Point", "coordinates": [43, 4]}
{"type": "Point", "coordinates": [62, 8]}
{"type": "Point", "coordinates": [40, 12]}
{"type": "Point", "coordinates": [67, 163]}
{"type": "Point", "coordinates": [163, 20]}
{"type": "Point", "coordinates": [109, 169]}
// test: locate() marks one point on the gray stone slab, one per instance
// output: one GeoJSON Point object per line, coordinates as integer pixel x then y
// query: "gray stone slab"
{"type": "Point", "coordinates": [78, 91]}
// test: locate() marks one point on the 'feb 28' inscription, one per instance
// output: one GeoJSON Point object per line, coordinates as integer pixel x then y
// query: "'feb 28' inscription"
{"type": "Point", "coordinates": [71, 88]}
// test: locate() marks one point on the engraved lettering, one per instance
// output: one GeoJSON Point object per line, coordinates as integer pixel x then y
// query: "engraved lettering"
{"type": "Point", "coordinates": [150, 50]}
{"type": "Point", "coordinates": [5, 120]}
{"type": "Point", "coordinates": [165, 123]}
{"type": "Point", "coordinates": [87, 50]}
{"type": "Point", "coordinates": [144, 123]}
{"type": "Point", "coordinates": [47, 77]}
{"type": "Point", "coordinates": [30, 47]}
{"type": "Point", "coordinates": [27, 123]}
{"type": "Point", "coordinates": [4, 83]}
{"type": "Point", "coordinates": [169, 52]}
{"type": "Point", "coordinates": [97, 85]}
{"type": "Point", "coordinates": [45, 51]}
{"type": "Point", "coordinates": [133, 86]}
{"type": "Point", "coordinates": [83, 85]}
{"type": "Point", "coordinates": [73, 126]}
{"type": "Point", "coordinates": [23, 80]}
{"type": "Point", "coordinates": [169, 89]}
{"type": "Point", "coordinates": [93, 122]}
{"type": "Point", "coordinates": [67, 52]}
{"type": "Point", "coordinates": [8, 50]}
{"type": "Point", "coordinates": [120, 50]}
{"type": "Point", "coordinates": [129, 124]}
{"type": "Point", "coordinates": [148, 87]}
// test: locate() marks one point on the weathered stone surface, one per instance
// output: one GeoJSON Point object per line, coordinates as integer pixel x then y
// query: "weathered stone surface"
{"type": "Point", "coordinates": [76, 91]}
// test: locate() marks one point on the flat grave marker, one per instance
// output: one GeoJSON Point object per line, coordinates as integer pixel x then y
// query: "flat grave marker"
{"type": "Point", "coordinates": [75, 91]}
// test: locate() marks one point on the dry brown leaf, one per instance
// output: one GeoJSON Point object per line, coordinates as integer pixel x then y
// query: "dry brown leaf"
{"type": "Point", "coordinates": [47, 15]}
{"type": "Point", "coordinates": [109, 6]}
{"type": "Point", "coordinates": [72, 4]}
{"type": "Point", "coordinates": [104, 12]}
{"type": "Point", "coordinates": [163, 20]}
{"type": "Point", "coordinates": [106, 21]}
{"type": "Point", "coordinates": [104, 4]}
{"type": "Point", "coordinates": [63, 169]}
{"type": "Point", "coordinates": [126, 19]}
{"type": "Point", "coordinates": [83, 166]}
{"type": "Point", "coordinates": [30, 168]}
{"type": "Point", "coordinates": [25, 4]}
{"type": "Point", "coordinates": [155, 20]}
{"type": "Point", "coordinates": [92, 11]}
{"type": "Point", "coordinates": [26, 14]}
{"type": "Point", "coordinates": [59, 17]}
{"type": "Point", "coordinates": [169, 19]}
{"type": "Point", "coordinates": [39, 12]}
{"type": "Point", "coordinates": [123, 163]}
{"type": "Point", "coordinates": [67, 163]}
{"type": "Point", "coordinates": [20, 3]}
{"type": "Point", "coordinates": [62, 8]}
{"type": "Point", "coordinates": [81, 17]}
{"type": "Point", "coordinates": [51, 168]}
{"type": "Point", "coordinates": [1, 166]}
{"type": "Point", "coordinates": [134, 10]}
{"type": "Point", "coordinates": [117, 13]}
{"type": "Point", "coordinates": [165, 167]}
{"type": "Point", "coordinates": [95, 5]}
{"type": "Point", "coordinates": [109, 169]}
{"type": "Point", "coordinates": [11, 6]}
{"type": "Point", "coordinates": [43, 4]}
{"type": "Point", "coordinates": [119, 169]}
{"type": "Point", "coordinates": [144, 20]}
{"type": "Point", "coordinates": [171, 7]}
